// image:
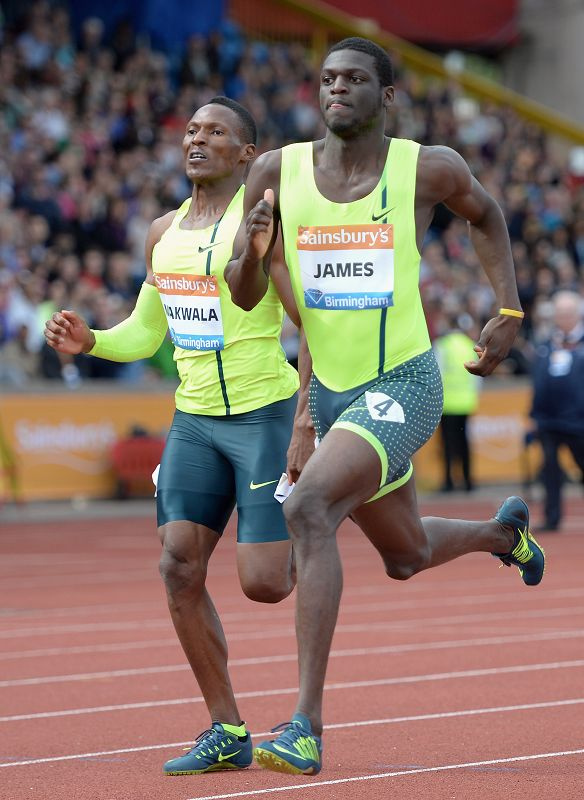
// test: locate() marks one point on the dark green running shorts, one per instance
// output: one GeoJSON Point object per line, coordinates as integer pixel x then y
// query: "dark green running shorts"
{"type": "Point", "coordinates": [210, 464]}
{"type": "Point", "coordinates": [396, 413]}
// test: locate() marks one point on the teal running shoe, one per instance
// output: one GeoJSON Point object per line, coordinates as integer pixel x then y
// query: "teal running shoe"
{"type": "Point", "coordinates": [296, 751]}
{"type": "Point", "coordinates": [525, 554]}
{"type": "Point", "coordinates": [213, 750]}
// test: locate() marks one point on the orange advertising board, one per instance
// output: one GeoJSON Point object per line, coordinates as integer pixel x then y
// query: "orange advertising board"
{"type": "Point", "coordinates": [496, 434]}
{"type": "Point", "coordinates": [58, 446]}
{"type": "Point", "coordinates": [61, 444]}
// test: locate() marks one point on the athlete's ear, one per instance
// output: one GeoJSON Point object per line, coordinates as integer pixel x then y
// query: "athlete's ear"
{"type": "Point", "coordinates": [248, 152]}
{"type": "Point", "coordinates": [387, 96]}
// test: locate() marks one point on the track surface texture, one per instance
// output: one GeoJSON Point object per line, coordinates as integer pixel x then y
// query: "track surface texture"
{"type": "Point", "coordinates": [460, 683]}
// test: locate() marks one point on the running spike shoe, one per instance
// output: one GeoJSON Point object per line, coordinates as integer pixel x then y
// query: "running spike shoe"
{"type": "Point", "coordinates": [525, 554]}
{"type": "Point", "coordinates": [296, 751]}
{"type": "Point", "coordinates": [213, 750]}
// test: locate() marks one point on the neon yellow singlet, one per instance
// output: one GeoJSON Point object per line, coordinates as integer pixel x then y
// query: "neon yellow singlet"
{"type": "Point", "coordinates": [354, 268]}
{"type": "Point", "coordinates": [229, 361]}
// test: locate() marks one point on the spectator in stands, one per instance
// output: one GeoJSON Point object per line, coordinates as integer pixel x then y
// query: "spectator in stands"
{"type": "Point", "coordinates": [108, 158]}
{"type": "Point", "coordinates": [558, 398]}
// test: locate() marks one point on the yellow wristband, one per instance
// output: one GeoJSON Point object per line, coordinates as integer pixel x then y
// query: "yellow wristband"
{"type": "Point", "coordinates": [511, 312]}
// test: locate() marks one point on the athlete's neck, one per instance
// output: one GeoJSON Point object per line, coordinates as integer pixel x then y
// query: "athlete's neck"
{"type": "Point", "coordinates": [209, 201]}
{"type": "Point", "coordinates": [363, 154]}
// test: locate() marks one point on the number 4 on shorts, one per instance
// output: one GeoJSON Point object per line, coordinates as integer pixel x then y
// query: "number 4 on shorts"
{"type": "Point", "coordinates": [384, 408]}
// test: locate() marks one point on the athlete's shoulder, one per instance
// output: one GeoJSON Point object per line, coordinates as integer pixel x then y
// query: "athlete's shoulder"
{"type": "Point", "coordinates": [157, 229]}
{"type": "Point", "coordinates": [441, 157]}
{"type": "Point", "coordinates": [164, 219]}
{"type": "Point", "coordinates": [268, 163]}
{"type": "Point", "coordinates": [442, 172]}
{"type": "Point", "coordinates": [264, 174]}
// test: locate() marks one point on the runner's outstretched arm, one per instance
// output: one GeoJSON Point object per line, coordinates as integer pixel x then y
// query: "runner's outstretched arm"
{"type": "Point", "coordinates": [138, 336]}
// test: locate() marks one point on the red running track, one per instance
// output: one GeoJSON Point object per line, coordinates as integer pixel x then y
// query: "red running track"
{"type": "Point", "coordinates": [461, 683]}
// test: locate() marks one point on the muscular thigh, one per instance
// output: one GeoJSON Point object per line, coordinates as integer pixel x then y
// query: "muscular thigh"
{"type": "Point", "coordinates": [196, 482]}
{"type": "Point", "coordinates": [256, 445]}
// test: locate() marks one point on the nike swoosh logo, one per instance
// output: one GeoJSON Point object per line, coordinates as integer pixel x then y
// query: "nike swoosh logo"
{"type": "Point", "coordinates": [208, 247]}
{"type": "Point", "coordinates": [376, 217]}
{"type": "Point", "coordinates": [254, 486]}
{"type": "Point", "coordinates": [221, 757]}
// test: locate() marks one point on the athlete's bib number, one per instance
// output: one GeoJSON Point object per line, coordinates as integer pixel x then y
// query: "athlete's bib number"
{"type": "Point", "coordinates": [346, 267]}
{"type": "Point", "coordinates": [193, 310]}
{"type": "Point", "coordinates": [384, 408]}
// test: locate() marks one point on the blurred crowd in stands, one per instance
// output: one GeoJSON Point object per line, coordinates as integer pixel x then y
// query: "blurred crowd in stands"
{"type": "Point", "coordinates": [90, 134]}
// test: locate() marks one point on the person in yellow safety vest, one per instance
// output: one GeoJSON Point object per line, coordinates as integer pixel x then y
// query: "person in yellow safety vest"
{"type": "Point", "coordinates": [461, 389]}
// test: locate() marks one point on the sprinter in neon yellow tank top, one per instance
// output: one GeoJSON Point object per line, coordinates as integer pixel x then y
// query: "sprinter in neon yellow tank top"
{"type": "Point", "coordinates": [232, 427]}
{"type": "Point", "coordinates": [353, 209]}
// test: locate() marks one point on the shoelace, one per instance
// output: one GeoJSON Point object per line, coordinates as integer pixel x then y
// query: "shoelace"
{"type": "Point", "coordinates": [208, 734]}
{"type": "Point", "coordinates": [290, 728]}
{"type": "Point", "coordinates": [291, 732]}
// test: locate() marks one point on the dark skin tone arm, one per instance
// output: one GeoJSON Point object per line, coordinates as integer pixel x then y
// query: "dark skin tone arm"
{"type": "Point", "coordinates": [444, 177]}
{"type": "Point", "coordinates": [302, 439]}
{"type": "Point", "coordinates": [247, 273]}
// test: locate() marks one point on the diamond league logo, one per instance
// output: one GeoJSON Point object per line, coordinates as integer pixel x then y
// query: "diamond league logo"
{"type": "Point", "coordinates": [314, 295]}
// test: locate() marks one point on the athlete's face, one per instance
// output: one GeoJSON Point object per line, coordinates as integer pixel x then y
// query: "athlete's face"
{"type": "Point", "coordinates": [351, 96]}
{"type": "Point", "coordinates": [213, 144]}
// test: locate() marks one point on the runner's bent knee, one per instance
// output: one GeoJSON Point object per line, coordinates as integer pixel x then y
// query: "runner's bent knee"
{"type": "Point", "coordinates": [308, 515]}
{"type": "Point", "coordinates": [406, 565]}
{"type": "Point", "coordinates": [265, 570]}
{"type": "Point", "coordinates": [263, 591]}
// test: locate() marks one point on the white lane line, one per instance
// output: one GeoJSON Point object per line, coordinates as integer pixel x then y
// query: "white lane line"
{"type": "Point", "coordinates": [149, 644]}
{"type": "Point", "coordinates": [408, 624]}
{"type": "Point", "coordinates": [485, 641]}
{"type": "Point", "coordinates": [434, 676]}
{"type": "Point", "coordinates": [114, 647]}
{"type": "Point", "coordinates": [470, 712]}
{"type": "Point", "coordinates": [82, 628]}
{"type": "Point", "coordinates": [271, 614]}
{"type": "Point", "coordinates": [68, 580]}
{"type": "Point", "coordinates": [380, 775]}
{"type": "Point", "coordinates": [17, 615]}
{"type": "Point", "coordinates": [117, 647]}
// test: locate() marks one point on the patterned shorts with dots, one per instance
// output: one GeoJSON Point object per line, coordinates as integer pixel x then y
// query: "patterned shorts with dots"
{"type": "Point", "coordinates": [396, 413]}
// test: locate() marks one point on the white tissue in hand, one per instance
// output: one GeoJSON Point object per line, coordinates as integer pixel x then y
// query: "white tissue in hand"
{"type": "Point", "coordinates": [283, 489]}
{"type": "Point", "coordinates": [155, 479]}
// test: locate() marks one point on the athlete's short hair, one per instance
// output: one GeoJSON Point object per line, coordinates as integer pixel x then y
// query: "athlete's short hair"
{"type": "Point", "coordinates": [249, 129]}
{"type": "Point", "coordinates": [383, 63]}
